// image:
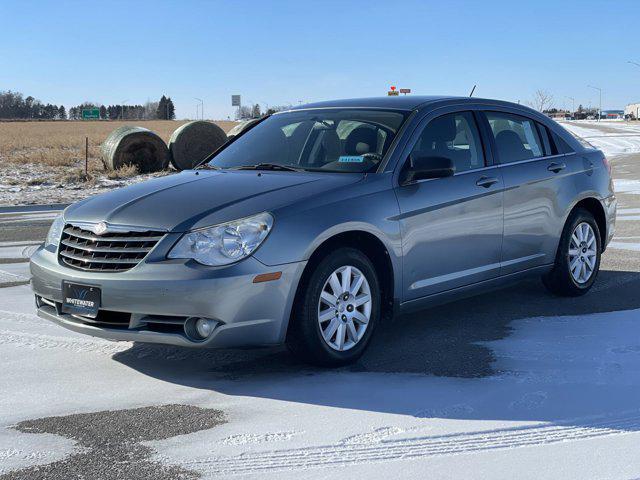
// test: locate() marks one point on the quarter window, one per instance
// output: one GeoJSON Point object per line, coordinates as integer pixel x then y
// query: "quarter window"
{"type": "Point", "coordinates": [454, 136]}
{"type": "Point", "coordinates": [516, 137]}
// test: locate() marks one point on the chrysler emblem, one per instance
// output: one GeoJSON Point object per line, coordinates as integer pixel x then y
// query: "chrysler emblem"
{"type": "Point", "coordinates": [100, 228]}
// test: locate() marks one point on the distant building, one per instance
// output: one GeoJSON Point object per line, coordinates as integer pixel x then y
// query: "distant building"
{"type": "Point", "coordinates": [559, 115]}
{"type": "Point", "coordinates": [612, 114]}
{"type": "Point", "coordinates": [632, 111]}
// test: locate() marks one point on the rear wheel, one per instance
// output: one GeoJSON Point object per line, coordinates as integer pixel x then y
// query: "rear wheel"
{"type": "Point", "coordinates": [578, 258]}
{"type": "Point", "coordinates": [337, 309]}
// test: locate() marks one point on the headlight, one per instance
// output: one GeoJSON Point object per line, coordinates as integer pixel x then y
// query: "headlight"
{"type": "Point", "coordinates": [55, 232]}
{"type": "Point", "coordinates": [226, 243]}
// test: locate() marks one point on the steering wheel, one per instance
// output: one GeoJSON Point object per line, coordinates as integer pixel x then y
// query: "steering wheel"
{"type": "Point", "coordinates": [373, 157]}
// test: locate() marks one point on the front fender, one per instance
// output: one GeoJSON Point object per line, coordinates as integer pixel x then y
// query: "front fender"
{"type": "Point", "coordinates": [297, 235]}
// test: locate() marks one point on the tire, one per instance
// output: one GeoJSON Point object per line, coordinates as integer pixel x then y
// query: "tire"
{"type": "Point", "coordinates": [563, 280]}
{"type": "Point", "coordinates": [306, 334]}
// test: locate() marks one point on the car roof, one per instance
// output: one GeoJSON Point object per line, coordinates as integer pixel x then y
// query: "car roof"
{"type": "Point", "coordinates": [405, 102]}
{"type": "Point", "coordinates": [401, 102]}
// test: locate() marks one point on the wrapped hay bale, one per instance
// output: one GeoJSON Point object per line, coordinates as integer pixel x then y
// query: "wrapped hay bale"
{"type": "Point", "coordinates": [241, 127]}
{"type": "Point", "coordinates": [128, 145]}
{"type": "Point", "coordinates": [193, 142]}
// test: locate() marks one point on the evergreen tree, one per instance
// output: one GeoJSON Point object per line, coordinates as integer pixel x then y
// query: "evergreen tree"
{"type": "Point", "coordinates": [162, 108]}
{"type": "Point", "coordinates": [49, 112]}
{"type": "Point", "coordinates": [255, 113]}
{"type": "Point", "coordinates": [103, 112]}
{"type": "Point", "coordinates": [62, 113]}
{"type": "Point", "coordinates": [171, 109]}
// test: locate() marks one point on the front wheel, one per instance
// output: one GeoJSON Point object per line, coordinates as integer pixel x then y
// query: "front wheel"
{"type": "Point", "coordinates": [578, 258]}
{"type": "Point", "coordinates": [337, 309]}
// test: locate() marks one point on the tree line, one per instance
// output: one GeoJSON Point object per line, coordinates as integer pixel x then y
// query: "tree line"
{"type": "Point", "coordinates": [13, 105]}
{"type": "Point", "coordinates": [247, 112]}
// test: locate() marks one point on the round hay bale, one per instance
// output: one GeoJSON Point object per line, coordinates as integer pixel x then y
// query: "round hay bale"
{"type": "Point", "coordinates": [193, 142]}
{"type": "Point", "coordinates": [128, 145]}
{"type": "Point", "coordinates": [241, 127]}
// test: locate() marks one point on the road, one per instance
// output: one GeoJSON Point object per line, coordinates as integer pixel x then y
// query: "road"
{"type": "Point", "coordinates": [515, 378]}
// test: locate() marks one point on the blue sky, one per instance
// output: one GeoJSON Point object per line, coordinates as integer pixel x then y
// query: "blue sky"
{"type": "Point", "coordinates": [278, 52]}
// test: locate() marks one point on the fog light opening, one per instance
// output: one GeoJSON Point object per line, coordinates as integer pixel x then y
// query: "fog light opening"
{"type": "Point", "coordinates": [199, 329]}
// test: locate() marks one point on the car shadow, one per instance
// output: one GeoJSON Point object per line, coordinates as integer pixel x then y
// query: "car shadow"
{"type": "Point", "coordinates": [435, 362]}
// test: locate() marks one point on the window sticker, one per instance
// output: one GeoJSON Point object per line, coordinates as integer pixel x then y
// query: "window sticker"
{"type": "Point", "coordinates": [351, 159]}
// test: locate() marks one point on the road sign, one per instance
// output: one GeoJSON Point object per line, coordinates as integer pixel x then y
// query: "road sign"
{"type": "Point", "coordinates": [235, 100]}
{"type": "Point", "coordinates": [90, 113]}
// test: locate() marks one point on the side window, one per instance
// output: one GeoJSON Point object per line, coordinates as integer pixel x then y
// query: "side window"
{"type": "Point", "coordinates": [516, 137]}
{"type": "Point", "coordinates": [454, 136]}
{"type": "Point", "coordinates": [549, 148]}
{"type": "Point", "coordinates": [564, 147]}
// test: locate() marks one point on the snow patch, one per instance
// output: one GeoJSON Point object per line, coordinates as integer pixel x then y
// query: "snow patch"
{"type": "Point", "coordinates": [246, 438]}
{"type": "Point", "coordinates": [612, 138]}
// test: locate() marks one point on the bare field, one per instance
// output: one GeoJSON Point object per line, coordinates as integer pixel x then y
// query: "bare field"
{"type": "Point", "coordinates": [63, 143]}
{"type": "Point", "coordinates": [43, 162]}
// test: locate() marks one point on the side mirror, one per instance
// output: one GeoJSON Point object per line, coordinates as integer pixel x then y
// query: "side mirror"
{"type": "Point", "coordinates": [421, 167]}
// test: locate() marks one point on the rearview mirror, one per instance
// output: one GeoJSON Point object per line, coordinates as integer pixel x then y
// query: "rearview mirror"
{"type": "Point", "coordinates": [421, 167]}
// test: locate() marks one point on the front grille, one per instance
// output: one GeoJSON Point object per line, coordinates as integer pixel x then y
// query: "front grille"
{"type": "Point", "coordinates": [110, 252]}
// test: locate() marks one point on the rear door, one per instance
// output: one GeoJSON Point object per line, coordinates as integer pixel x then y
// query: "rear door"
{"type": "Point", "coordinates": [537, 189]}
{"type": "Point", "coordinates": [451, 227]}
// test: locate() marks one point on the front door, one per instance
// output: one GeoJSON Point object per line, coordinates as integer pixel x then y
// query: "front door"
{"type": "Point", "coordinates": [451, 227]}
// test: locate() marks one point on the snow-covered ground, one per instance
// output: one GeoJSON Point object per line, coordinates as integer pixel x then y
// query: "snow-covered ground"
{"type": "Point", "coordinates": [612, 137]}
{"type": "Point", "coordinates": [568, 392]}
{"type": "Point", "coordinates": [29, 184]}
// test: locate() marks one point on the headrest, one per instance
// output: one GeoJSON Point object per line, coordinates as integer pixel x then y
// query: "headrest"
{"type": "Point", "coordinates": [509, 140]}
{"type": "Point", "coordinates": [441, 130]}
{"type": "Point", "coordinates": [361, 140]}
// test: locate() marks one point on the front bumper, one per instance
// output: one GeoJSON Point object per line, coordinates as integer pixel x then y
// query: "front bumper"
{"type": "Point", "coordinates": [164, 293]}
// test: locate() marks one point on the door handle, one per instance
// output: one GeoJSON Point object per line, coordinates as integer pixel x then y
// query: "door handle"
{"type": "Point", "coordinates": [486, 182]}
{"type": "Point", "coordinates": [556, 167]}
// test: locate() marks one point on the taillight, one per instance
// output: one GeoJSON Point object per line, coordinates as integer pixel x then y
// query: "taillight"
{"type": "Point", "coordinates": [606, 164]}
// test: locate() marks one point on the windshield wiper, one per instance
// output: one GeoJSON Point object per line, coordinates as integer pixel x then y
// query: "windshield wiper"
{"type": "Point", "coordinates": [206, 166]}
{"type": "Point", "coordinates": [270, 166]}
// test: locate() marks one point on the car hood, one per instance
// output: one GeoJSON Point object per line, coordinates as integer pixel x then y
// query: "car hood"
{"type": "Point", "coordinates": [194, 199]}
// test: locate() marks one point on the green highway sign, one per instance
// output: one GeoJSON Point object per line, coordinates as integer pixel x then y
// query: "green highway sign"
{"type": "Point", "coordinates": [90, 113]}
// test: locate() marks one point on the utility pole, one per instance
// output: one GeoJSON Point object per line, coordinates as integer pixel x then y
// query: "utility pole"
{"type": "Point", "coordinates": [637, 65]}
{"type": "Point", "coordinates": [201, 108]}
{"type": "Point", "coordinates": [600, 91]}
{"type": "Point", "coordinates": [573, 105]}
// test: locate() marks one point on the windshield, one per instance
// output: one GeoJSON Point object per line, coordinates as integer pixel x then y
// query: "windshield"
{"type": "Point", "coordinates": [331, 140]}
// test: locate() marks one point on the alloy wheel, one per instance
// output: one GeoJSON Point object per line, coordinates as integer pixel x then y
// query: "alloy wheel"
{"type": "Point", "coordinates": [582, 253]}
